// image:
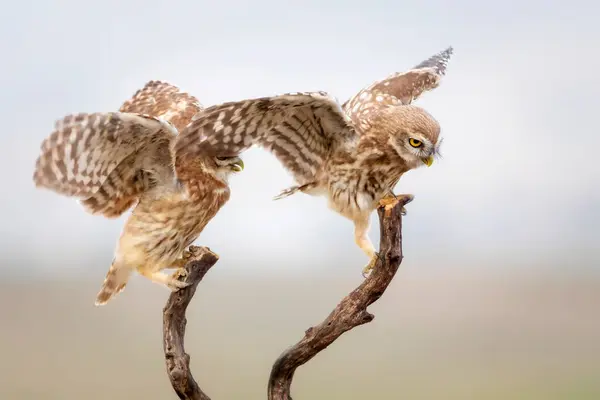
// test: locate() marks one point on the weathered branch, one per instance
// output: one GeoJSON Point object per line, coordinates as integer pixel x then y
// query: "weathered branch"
{"type": "Point", "coordinates": [174, 322]}
{"type": "Point", "coordinates": [349, 313]}
{"type": "Point", "coordinates": [352, 310]}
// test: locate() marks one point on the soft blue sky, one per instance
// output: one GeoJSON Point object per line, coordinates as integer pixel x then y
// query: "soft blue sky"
{"type": "Point", "coordinates": [518, 113]}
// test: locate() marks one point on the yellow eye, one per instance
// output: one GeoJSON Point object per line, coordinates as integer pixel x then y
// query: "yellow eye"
{"type": "Point", "coordinates": [415, 142]}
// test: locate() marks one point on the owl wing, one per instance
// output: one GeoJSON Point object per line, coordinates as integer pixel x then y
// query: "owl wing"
{"type": "Point", "coordinates": [158, 99]}
{"type": "Point", "coordinates": [398, 89]}
{"type": "Point", "coordinates": [300, 129]}
{"type": "Point", "coordinates": [163, 100]}
{"type": "Point", "coordinates": [108, 159]}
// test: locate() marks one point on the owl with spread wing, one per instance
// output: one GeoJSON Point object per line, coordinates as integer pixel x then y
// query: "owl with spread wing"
{"type": "Point", "coordinates": [353, 153]}
{"type": "Point", "coordinates": [113, 161]}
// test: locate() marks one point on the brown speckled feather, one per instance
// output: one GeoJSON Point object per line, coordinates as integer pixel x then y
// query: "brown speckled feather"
{"type": "Point", "coordinates": [79, 156]}
{"type": "Point", "coordinates": [300, 129]}
{"type": "Point", "coordinates": [163, 100]}
{"type": "Point", "coordinates": [353, 155]}
{"type": "Point", "coordinates": [397, 89]}
{"type": "Point", "coordinates": [158, 99]}
{"type": "Point", "coordinates": [115, 160]}
{"type": "Point", "coordinates": [120, 155]}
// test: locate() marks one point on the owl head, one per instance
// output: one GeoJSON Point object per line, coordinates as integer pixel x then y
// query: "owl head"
{"type": "Point", "coordinates": [219, 167]}
{"type": "Point", "coordinates": [223, 166]}
{"type": "Point", "coordinates": [228, 165]}
{"type": "Point", "coordinates": [412, 132]}
{"type": "Point", "coordinates": [194, 169]}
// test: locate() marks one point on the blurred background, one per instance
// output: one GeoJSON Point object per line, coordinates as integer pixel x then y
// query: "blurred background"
{"type": "Point", "coordinates": [498, 295]}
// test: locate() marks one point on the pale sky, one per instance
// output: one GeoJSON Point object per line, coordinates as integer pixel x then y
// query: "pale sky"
{"type": "Point", "coordinates": [517, 108]}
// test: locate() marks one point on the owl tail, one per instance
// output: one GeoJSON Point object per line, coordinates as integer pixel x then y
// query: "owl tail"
{"type": "Point", "coordinates": [114, 283]}
{"type": "Point", "coordinates": [290, 191]}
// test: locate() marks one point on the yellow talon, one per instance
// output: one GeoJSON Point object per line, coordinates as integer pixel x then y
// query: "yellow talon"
{"type": "Point", "coordinates": [391, 198]}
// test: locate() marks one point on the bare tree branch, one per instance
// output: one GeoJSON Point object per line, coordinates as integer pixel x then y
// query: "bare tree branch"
{"type": "Point", "coordinates": [349, 313]}
{"type": "Point", "coordinates": [352, 310]}
{"type": "Point", "coordinates": [174, 322]}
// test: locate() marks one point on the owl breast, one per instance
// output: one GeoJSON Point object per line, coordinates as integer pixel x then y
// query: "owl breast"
{"type": "Point", "coordinates": [159, 230]}
{"type": "Point", "coordinates": [356, 188]}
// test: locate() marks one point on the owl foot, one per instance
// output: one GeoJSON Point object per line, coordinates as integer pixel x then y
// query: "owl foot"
{"type": "Point", "coordinates": [170, 281]}
{"type": "Point", "coordinates": [180, 274]}
{"type": "Point", "coordinates": [181, 262]}
{"type": "Point", "coordinates": [176, 285]}
{"type": "Point", "coordinates": [367, 270]}
{"type": "Point", "coordinates": [391, 198]}
{"type": "Point", "coordinates": [176, 281]}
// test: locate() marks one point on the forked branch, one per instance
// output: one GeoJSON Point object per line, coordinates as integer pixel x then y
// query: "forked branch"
{"type": "Point", "coordinates": [349, 313]}
{"type": "Point", "coordinates": [174, 321]}
{"type": "Point", "coordinates": [352, 310]}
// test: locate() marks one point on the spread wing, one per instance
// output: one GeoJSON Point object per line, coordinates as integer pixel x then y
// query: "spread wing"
{"type": "Point", "coordinates": [129, 150]}
{"type": "Point", "coordinates": [109, 159]}
{"type": "Point", "coordinates": [163, 100]}
{"type": "Point", "coordinates": [398, 89]}
{"type": "Point", "coordinates": [300, 129]}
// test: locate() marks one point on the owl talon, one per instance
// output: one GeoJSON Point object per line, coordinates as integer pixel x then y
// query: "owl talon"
{"type": "Point", "coordinates": [176, 284]}
{"type": "Point", "coordinates": [181, 273]}
{"type": "Point", "coordinates": [367, 270]}
{"type": "Point", "coordinates": [392, 198]}
{"type": "Point", "coordinates": [177, 280]}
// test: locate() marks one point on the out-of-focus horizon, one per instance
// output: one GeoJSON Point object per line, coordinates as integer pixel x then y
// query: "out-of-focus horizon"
{"type": "Point", "coordinates": [498, 294]}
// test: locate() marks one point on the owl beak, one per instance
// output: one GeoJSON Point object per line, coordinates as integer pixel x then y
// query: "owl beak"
{"type": "Point", "coordinates": [427, 160]}
{"type": "Point", "coordinates": [238, 166]}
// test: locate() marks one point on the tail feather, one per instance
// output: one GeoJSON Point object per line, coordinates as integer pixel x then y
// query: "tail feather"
{"type": "Point", "coordinates": [291, 190]}
{"type": "Point", "coordinates": [114, 283]}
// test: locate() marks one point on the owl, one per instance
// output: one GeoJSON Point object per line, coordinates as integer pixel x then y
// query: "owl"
{"type": "Point", "coordinates": [113, 161]}
{"type": "Point", "coordinates": [353, 153]}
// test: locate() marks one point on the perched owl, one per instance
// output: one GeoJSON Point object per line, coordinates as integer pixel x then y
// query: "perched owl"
{"type": "Point", "coordinates": [353, 154]}
{"type": "Point", "coordinates": [115, 160]}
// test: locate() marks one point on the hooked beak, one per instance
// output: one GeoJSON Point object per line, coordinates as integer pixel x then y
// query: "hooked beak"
{"type": "Point", "coordinates": [238, 166]}
{"type": "Point", "coordinates": [427, 160]}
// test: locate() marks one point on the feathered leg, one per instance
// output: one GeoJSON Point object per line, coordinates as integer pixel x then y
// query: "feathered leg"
{"type": "Point", "coordinates": [171, 281]}
{"type": "Point", "coordinates": [361, 237]}
{"type": "Point", "coordinates": [161, 278]}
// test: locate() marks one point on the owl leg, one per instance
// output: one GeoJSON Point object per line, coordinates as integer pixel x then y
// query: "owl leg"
{"type": "Point", "coordinates": [161, 278]}
{"type": "Point", "coordinates": [180, 262]}
{"type": "Point", "coordinates": [361, 237]}
{"type": "Point", "coordinates": [172, 281]}
{"type": "Point", "coordinates": [179, 265]}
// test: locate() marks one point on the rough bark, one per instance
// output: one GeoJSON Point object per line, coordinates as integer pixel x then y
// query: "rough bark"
{"type": "Point", "coordinates": [349, 313]}
{"type": "Point", "coordinates": [352, 310]}
{"type": "Point", "coordinates": [174, 322]}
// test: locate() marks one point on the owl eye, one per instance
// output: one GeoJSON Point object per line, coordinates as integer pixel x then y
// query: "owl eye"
{"type": "Point", "coordinates": [415, 143]}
